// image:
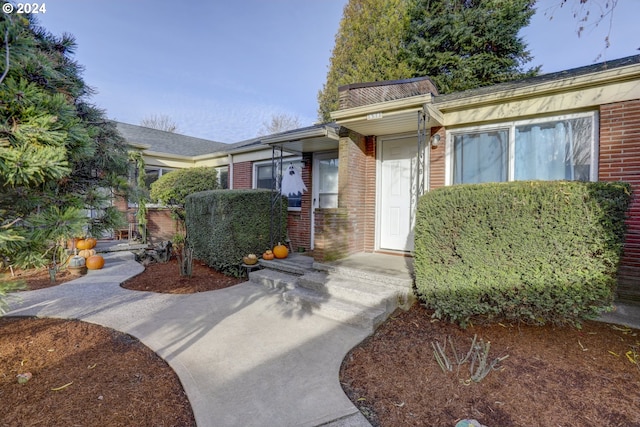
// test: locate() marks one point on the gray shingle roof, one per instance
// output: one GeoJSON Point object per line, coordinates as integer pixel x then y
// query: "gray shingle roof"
{"type": "Point", "coordinates": [542, 78]}
{"type": "Point", "coordinates": [169, 142]}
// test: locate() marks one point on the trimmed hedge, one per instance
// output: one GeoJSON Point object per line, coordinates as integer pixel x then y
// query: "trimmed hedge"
{"type": "Point", "coordinates": [531, 251]}
{"type": "Point", "coordinates": [225, 225]}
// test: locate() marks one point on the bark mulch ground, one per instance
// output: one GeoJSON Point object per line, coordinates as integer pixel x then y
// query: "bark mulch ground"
{"type": "Point", "coordinates": [554, 376]}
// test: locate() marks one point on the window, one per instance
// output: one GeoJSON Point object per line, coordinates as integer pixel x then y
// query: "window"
{"type": "Point", "coordinates": [263, 178]}
{"type": "Point", "coordinates": [558, 148]}
{"type": "Point", "coordinates": [327, 181]}
{"type": "Point", "coordinates": [152, 173]}
{"type": "Point", "coordinates": [223, 177]}
{"type": "Point", "coordinates": [480, 157]}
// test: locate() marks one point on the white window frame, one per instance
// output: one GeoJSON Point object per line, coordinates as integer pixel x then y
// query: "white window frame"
{"type": "Point", "coordinates": [218, 174]}
{"type": "Point", "coordinates": [256, 165]}
{"type": "Point", "coordinates": [511, 126]}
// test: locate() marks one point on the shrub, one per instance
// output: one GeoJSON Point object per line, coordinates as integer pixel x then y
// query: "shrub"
{"type": "Point", "coordinates": [531, 251]}
{"type": "Point", "coordinates": [173, 188]}
{"type": "Point", "coordinates": [224, 225]}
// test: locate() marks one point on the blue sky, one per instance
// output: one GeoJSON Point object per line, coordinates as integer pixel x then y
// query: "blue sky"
{"type": "Point", "coordinates": [220, 69]}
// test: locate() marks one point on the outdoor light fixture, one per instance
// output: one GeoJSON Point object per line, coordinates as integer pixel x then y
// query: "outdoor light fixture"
{"type": "Point", "coordinates": [435, 140]}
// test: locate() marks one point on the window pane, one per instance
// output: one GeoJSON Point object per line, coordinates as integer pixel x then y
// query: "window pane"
{"type": "Point", "coordinates": [554, 150]}
{"type": "Point", "coordinates": [480, 157]}
{"type": "Point", "coordinates": [264, 180]}
{"type": "Point", "coordinates": [328, 183]}
{"type": "Point", "coordinates": [223, 177]}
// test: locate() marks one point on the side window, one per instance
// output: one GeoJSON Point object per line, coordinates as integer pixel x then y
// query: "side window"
{"type": "Point", "coordinates": [263, 178]}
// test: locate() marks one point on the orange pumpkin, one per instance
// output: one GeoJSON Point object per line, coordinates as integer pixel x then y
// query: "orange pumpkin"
{"type": "Point", "coordinates": [92, 241]}
{"type": "Point", "coordinates": [280, 251]}
{"type": "Point", "coordinates": [82, 244]}
{"type": "Point", "coordinates": [95, 262]}
{"type": "Point", "coordinates": [268, 255]}
{"type": "Point", "coordinates": [86, 253]}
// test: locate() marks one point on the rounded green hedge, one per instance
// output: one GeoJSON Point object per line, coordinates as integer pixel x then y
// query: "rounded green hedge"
{"type": "Point", "coordinates": [531, 251]}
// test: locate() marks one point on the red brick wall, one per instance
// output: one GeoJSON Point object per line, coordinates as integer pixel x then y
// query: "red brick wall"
{"type": "Point", "coordinates": [437, 160]}
{"type": "Point", "coordinates": [160, 225]}
{"type": "Point", "coordinates": [619, 160]}
{"type": "Point", "coordinates": [332, 234]}
{"type": "Point", "coordinates": [356, 177]}
{"type": "Point", "coordinates": [242, 175]}
{"type": "Point", "coordinates": [299, 222]}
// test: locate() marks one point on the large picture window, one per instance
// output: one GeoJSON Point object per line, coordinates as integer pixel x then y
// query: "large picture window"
{"type": "Point", "coordinates": [556, 148]}
{"type": "Point", "coordinates": [263, 178]}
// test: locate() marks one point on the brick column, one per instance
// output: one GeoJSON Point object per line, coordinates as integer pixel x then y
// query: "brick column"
{"type": "Point", "coordinates": [619, 160]}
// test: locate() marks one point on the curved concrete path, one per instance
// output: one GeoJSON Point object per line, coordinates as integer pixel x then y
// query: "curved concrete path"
{"type": "Point", "coordinates": [242, 357]}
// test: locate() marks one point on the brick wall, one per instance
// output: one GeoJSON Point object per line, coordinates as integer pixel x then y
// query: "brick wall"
{"type": "Point", "coordinates": [356, 199]}
{"type": "Point", "coordinates": [160, 225]}
{"type": "Point", "coordinates": [242, 175]}
{"type": "Point", "coordinates": [359, 94]}
{"type": "Point", "coordinates": [619, 160]}
{"type": "Point", "coordinates": [332, 234]}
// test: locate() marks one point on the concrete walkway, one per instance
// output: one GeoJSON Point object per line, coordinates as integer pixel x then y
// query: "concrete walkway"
{"type": "Point", "coordinates": [242, 357]}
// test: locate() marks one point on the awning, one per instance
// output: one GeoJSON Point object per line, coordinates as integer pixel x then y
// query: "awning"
{"type": "Point", "coordinates": [306, 140]}
{"type": "Point", "coordinates": [390, 117]}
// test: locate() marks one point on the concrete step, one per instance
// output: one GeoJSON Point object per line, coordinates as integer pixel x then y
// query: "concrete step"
{"type": "Point", "coordinates": [360, 292]}
{"type": "Point", "coordinates": [273, 279]}
{"type": "Point", "coordinates": [348, 312]}
{"type": "Point", "coordinates": [294, 264]}
{"type": "Point", "coordinates": [365, 275]}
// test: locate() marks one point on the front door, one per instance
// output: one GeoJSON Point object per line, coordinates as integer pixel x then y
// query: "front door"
{"type": "Point", "coordinates": [397, 175]}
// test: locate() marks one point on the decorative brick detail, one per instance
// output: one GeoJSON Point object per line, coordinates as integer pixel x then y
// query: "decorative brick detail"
{"type": "Point", "coordinates": [619, 160]}
{"type": "Point", "coordinates": [357, 95]}
{"type": "Point", "coordinates": [242, 175]}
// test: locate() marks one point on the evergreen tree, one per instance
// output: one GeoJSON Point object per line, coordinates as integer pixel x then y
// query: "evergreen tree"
{"type": "Point", "coordinates": [59, 156]}
{"type": "Point", "coordinates": [464, 44]}
{"type": "Point", "coordinates": [366, 48]}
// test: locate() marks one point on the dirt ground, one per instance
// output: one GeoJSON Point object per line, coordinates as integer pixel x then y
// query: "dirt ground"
{"type": "Point", "coordinates": [87, 375]}
{"type": "Point", "coordinates": [84, 374]}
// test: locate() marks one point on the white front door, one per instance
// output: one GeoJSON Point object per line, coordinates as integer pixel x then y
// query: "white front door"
{"type": "Point", "coordinates": [397, 160]}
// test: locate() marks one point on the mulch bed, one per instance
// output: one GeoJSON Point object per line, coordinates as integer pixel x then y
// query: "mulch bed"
{"type": "Point", "coordinates": [554, 376]}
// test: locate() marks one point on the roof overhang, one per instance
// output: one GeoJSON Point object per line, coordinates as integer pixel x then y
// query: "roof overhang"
{"type": "Point", "coordinates": [308, 140]}
{"type": "Point", "coordinates": [390, 117]}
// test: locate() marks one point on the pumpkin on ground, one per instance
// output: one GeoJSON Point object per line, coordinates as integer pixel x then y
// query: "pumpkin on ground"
{"type": "Point", "coordinates": [95, 262]}
{"type": "Point", "coordinates": [268, 255]}
{"type": "Point", "coordinates": [86, 253]}
{"type": "Point", "coordinates": [280, 251]}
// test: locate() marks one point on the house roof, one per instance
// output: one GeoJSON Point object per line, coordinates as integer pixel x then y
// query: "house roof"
{"type": "Point", "coordinates": [401, 115]}
{"type": "Point", "coordinates": [159, 141]}
{"type": "Point", "coordinates": [542, 78]}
